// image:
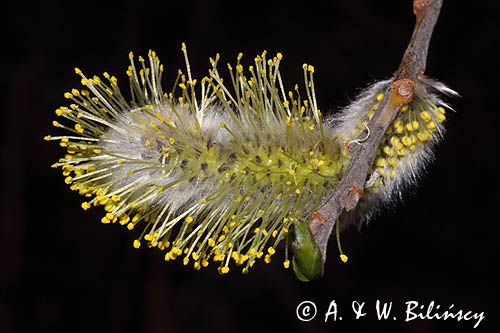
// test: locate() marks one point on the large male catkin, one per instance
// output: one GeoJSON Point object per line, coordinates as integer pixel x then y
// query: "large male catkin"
{"type": "Point", "coordinates": [216, 172]}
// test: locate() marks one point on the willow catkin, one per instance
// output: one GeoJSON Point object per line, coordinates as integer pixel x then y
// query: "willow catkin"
{"type": "Point", "coordinates": [217, 172]}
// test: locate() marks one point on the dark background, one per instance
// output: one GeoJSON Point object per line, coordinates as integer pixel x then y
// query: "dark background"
{"type": "Point", "coordinates": [62, 270]}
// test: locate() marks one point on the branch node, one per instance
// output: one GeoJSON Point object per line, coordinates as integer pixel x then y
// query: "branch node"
{"type": "Point", "coordinates": [402, 91]}
{"type": "Point", "coordinates": [420, 7]}
{"type": "Point", "coordinates": [353, 195]}
{"type": "Point", "coordinates": [317, 221]}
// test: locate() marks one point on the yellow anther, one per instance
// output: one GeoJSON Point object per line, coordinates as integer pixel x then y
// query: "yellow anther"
{"type": "Point", "coordinates": [189, 219]}
{"type": "Point", "coordinates": [395, 142]}
{"type": "Point", "coordinates": [55, 123]}
{"type": "Point", "coordinates": [171, 141]}
{"type": "Point", "coordinates": [398, 126]}
{"type": "Point", "coordinates": [393, 161]}
{"type": "Point", "coordinates": [380, 162]}
{"type": "Point", "coordinates": [79, 128]}
{"type": "Point", "coordinates": [423, 136]}
{"type": "Point", "coordinates": [440, 117]}
{"type": "Point", "coordinates": [137, 244]}
{"type": "Point", "coordinates": [344, 258]}
{"type": "Point", "coordinates": [242, 259]}
{"type": "Point", "coordinates": [267, 259]}
{"type": "Point", "coordinates": [68, 180]}
{"type": "Point", "coordinates": [86, 205]}
{"type": "Point", "coordinates": [223, 270]}
{"type": "Point", "coordinates": [409, 126]}
{"type": "Point", "coordinates": [124, 219]}
{"type": "Point", "coordinates": [406, 141]}
{"type": "Point", "coordinates": [426, 116]}
{"type": "Point", "coordinates": [404, 108]}
{"type": "Point", "coordinates": [297, 191]}
{"type": "Point", "coordinates": [388, 151]}
{"type": "Point", "coordinates": [204, 262]}
{"type": "Point", "coordinates": [379, 97]}
{"type": "Point", "coordinates": [286, 263]}
{"type": "Point", "coordinates": [271, 250]}
{"type": "Point", "coordinates": [431, 125]}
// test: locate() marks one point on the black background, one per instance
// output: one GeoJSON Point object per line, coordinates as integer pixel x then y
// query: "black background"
{"type": "Point", "coordinates": [62, 270]}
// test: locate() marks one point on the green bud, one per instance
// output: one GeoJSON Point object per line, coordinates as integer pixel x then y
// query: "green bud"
{"type": "Point", "coordinates": [307, 262]}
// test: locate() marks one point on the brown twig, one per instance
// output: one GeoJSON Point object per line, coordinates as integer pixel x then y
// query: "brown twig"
{"type": "Point", "coordinates": [400, 92]}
